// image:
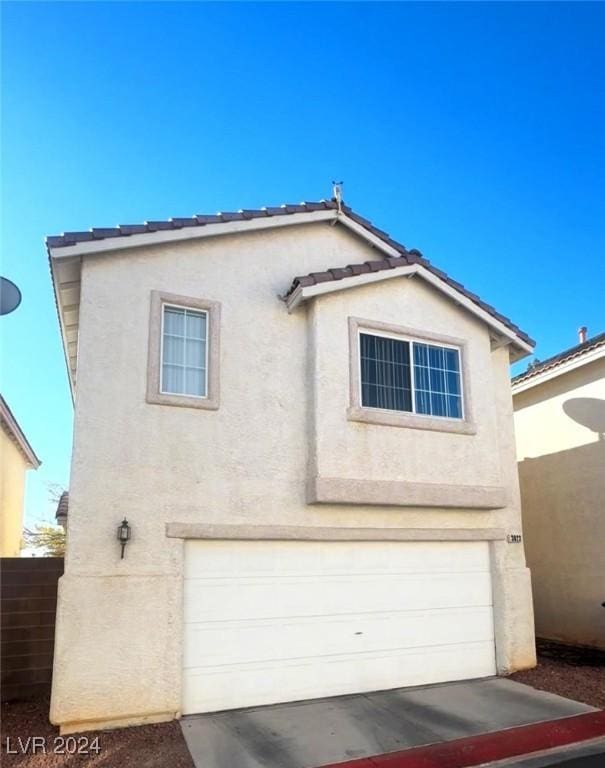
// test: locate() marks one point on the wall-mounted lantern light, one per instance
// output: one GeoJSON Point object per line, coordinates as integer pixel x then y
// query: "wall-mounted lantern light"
{"type": "Point", "coordinates": [123, 535]}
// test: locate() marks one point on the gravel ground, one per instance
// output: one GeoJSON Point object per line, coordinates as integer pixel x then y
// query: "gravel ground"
{"type": "Point", "coordinates": [146, 746]}
{"type": "Point", "coordinates": [571, 672]}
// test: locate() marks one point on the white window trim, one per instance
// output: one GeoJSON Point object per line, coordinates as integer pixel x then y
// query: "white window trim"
{"type": "Point", "coordinates": [411, 420]}
{"type": "Point", "coordinates": [205, 312]}
{"type": "Point", "coordinates": [212, 309]}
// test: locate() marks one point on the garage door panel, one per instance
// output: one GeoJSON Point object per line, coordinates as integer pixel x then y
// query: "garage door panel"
{"type": "Point", "coordinates": [207, 644]}
{"type": "Point", "coordinates": [215, 600]}
{"type": "Point", "coordinates": [324, 558]}
{"type": "Point", "coordinates": [280, 621]}
{"type": "Point", "coordinates": [211, 689]}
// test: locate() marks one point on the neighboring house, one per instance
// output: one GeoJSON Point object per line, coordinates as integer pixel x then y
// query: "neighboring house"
{"type": "Point", "coordinates": [318, 471]}
{"type": "Point", "coordinates": [560, 427]}
{"type": "Point", "coordinates": [62, 510]}
{"type": "Point", "coordinates": [16, 457]}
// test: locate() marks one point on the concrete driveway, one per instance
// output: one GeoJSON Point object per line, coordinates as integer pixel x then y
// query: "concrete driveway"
{"type": "Point", "coordinates": [323, 731]}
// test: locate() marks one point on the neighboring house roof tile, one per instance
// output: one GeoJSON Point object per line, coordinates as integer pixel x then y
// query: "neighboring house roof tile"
{"type": "Point", "coordinates": [563, 357]}
{"type": "Point", "coordinates": [11, 426]}
{"type": "Point", "coordinates": [62, 506]}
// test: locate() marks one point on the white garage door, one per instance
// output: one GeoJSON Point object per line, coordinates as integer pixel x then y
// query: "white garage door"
{"type": "Point", "coordinates": [276, 621]}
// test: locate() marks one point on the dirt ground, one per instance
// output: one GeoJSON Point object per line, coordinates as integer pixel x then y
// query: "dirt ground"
{"type": "Point", "coordinates": [146, 746]}
{"type": "Point", "coordinates": [569, 672]}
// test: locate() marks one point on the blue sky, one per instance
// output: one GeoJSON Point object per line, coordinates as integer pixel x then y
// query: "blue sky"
{"type": "Point", "coordinates": [474, 132]}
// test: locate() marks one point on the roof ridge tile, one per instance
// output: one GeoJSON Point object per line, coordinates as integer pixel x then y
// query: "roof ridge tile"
{"type": "Point", "coordinates": [132, 229]}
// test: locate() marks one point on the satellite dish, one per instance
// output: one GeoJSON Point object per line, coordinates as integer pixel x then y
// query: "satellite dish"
{"type": "Point", "coordinates": [10, 296]}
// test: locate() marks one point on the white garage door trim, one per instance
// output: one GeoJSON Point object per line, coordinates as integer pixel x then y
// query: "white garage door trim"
{"type": "Point", "coordinates": [274, 621]}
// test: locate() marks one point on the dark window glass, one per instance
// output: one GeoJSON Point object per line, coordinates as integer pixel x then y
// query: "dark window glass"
{"type": "Point", "coordinates": [453, 383]}
{"type": "Point", "coordinates": [385, 373]}
{"type": "Point", "coordinates": [451, 360]}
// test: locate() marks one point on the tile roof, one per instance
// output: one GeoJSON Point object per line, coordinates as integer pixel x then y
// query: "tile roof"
{"type": "Point", "coordinates": [63, 506]}
{"type": "Point", "coordinates": [200, 220]}
{"type": "Point", "coordinates": [562, 357]}
{"type": "Point", "coordinates": [412, 256]}
{"type": "Point", "coordinates": [406, 257]}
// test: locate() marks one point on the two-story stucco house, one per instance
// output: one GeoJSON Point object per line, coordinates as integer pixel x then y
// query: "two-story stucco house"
{"type": "Point", "coordinates": [316, 461]}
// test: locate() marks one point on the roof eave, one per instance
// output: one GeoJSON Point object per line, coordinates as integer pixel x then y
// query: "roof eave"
{"type": "Point", "coordinates": [302, 293]}
{"type": "Point", "coordinates": [61, 317]}
{"type": "Point", "coordinates": [17, 435]}
{"type": "Point", "coordinates": [60, 255]}
{"type": "Point", "coordinates": [520, 348]}
{"type": "Point", "coordinates": [110, 245]}
{"type": "Point", "coordinates": [558, 369]}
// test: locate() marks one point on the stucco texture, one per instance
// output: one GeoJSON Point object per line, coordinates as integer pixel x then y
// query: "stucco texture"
{"type": "Point", "coordinates": [12, 489]}
{"type": "Point", "coordinates": [284, 395]}
{"type": "Point", "coordinates": [560, 427]}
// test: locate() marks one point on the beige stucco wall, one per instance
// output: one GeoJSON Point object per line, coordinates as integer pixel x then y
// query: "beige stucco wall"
{"type": "Point", "coordinates": [12, 490]}
{"type": "Point", "coordinates": [354, 450]}
{"type": "Point", "coordinates": [283, 399]}
{"type": "Point", "coordinates": [562, 474]}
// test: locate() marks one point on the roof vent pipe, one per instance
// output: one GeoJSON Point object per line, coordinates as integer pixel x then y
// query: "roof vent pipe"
{"type": "Point", "coordinates": [337, 194]}
{"type": "Point", "coordinates": [582, 331]}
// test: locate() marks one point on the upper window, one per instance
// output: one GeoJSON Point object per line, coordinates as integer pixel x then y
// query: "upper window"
{"type": "Point", "coordinates": [410, 376]}
{"type": "Point", "coordinates": [183, 351]}
{"type": "Point", "coordinates": [184, 348]}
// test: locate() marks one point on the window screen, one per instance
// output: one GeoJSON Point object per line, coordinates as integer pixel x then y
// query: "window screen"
{"type": "Point", "coordinates": [437, 381]}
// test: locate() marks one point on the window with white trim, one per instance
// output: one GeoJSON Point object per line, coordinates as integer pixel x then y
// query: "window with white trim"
{"type": "Point", "coordinates": [410, 376]}
{"type": "Point", "coordinates": [184, 351]}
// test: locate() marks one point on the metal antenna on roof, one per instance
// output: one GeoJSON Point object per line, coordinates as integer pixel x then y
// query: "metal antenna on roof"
{"type": "Point", "coordinates": [337, 194]}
